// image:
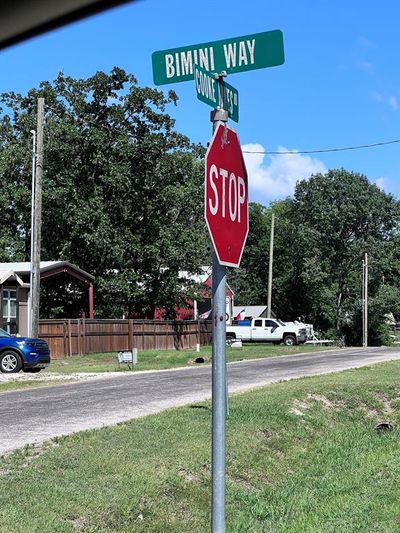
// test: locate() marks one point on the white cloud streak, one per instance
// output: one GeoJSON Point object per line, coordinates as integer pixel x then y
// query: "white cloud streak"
{"type": "Point", "coordinates": [381, 183]}
{"type": "Point", "coordinates": [277, 176]}
{"type": "Point", "coordinates": [390, 100]}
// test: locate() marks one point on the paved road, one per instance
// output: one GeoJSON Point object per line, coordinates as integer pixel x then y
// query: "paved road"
{"type": "Point", "coordinates": [39, 414]}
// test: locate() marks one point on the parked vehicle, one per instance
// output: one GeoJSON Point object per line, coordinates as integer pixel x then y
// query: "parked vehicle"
{"type": "Point", "coordinates": [22, 353]}
{"type": "Point", "coordinates": [268, 330]}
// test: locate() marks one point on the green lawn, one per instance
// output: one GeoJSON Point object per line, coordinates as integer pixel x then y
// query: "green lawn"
{"type": "Point", "coordinates": [164, 359]}
{"type": "Point", "coordinates": [303, 457]}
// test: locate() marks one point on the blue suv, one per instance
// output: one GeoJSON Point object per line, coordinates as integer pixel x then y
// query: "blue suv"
{"type": "Point", "coordinates": [16, 353]}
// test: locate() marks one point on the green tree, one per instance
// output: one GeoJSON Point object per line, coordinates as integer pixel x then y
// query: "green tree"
{"type": "Point", "coordinates": [121, 189]}
{"type": "Point", "coordinates": [250, 281]}
{"type": "Point", "coordinates": [321, 236]}
{"type": "Point", "coordinates": [347, 216]}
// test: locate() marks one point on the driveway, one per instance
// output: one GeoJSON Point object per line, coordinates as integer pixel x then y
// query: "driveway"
{"type": "Point", "coordinates": [35, 415]}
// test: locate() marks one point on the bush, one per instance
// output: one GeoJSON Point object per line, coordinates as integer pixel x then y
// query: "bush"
{"type": "Point", "coordinates": [380, 335]}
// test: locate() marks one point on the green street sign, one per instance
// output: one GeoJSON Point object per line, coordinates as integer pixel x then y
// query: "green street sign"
{"type": "Point", "coordinates": [239, 54]}
{"type": "Point", "coordinates": [216, 94]}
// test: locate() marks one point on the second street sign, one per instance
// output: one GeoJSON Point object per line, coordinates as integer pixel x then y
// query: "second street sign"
{"type": "Point", "coordinates": [215, 93]}
{"type": "Point", "coordinates": [250, 52]}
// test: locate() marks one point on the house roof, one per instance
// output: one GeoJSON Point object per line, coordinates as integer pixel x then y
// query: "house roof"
{"type": "Point", "coordinates": [48, 268]}
{"type": "Point", "coordinates": [7, 274]}
{"type": "Point", "coordinates": [250, 310]}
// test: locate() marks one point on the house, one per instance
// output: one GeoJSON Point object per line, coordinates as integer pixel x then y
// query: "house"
{"type": "Point", "coordinates": [15, 290]}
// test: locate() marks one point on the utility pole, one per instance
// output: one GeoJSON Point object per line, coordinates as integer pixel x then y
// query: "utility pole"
{"type": "Point", "coordinates": [365, 301]}
{"type": "Point", "coordinates": [362, 302]}
{"type": "Point", "coordinates": [37, 221]}
{"type": "Point", "coordinates": [33, 132]}
{"type": "Point", "coordinates": [271, 259]}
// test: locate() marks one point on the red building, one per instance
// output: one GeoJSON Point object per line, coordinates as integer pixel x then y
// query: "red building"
{"type": "Point", "coordinates": [201, 307]}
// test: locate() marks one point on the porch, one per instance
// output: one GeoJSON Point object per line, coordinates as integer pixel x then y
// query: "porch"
{"type": "Point", "coordinates": [15, 291]}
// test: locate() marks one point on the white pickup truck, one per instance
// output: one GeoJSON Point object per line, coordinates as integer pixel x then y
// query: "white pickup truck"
{"type": "Point", "coordinates": [268, 330]}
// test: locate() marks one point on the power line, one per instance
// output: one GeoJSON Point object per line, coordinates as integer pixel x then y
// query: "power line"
{"type": "Point", "coordinates": [325, 150]}
{"type": "Point", "coordinates": [265, 152]}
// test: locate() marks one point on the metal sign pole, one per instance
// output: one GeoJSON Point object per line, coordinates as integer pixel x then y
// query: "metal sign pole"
{"type": "Point", "coordinates": [218, 378]}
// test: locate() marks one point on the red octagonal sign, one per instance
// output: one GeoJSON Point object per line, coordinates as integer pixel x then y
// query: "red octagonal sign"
{"type": "Point", "coordinates": [226, 196]}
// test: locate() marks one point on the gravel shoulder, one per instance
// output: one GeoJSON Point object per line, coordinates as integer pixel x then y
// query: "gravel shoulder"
{"type": "Point", "coordinates": [54, 376]}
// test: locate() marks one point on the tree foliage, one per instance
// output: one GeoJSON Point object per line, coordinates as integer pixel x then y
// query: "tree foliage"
{"type": "Point", "coordinates": [321, 236]}
{"type": "Point", "coordinates": [121, 189]}
{"type": "Point", "coordinates": [122, 199]}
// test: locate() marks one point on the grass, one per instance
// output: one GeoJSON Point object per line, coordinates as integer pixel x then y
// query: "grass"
{"type": "Point", "coordinates": [165, 359]}
{"type": "Point", "coordinates": [19, 385]}
{"type": "Point", "coordinates": [303, 456]}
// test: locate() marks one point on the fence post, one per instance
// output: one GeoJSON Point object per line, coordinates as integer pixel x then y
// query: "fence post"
{"type": "Point", "coordinates": [198, 332]}
{"type": "Point", "coordinates": [69, 339]}
{"type": "Point", "coordinates": [130, 334]}
{"type": "Point", "coordinates": [65, 343]}
{"type": "Point", "coordinates": [84, 336]}
{"type": "Point", "coordinates": [78, 336]}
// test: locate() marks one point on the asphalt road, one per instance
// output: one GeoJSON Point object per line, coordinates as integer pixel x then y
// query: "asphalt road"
{"type": "Point", "coordinates": [33, 416]}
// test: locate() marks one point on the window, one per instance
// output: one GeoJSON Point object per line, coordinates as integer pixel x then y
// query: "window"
{"type": "Point", "coordinates": [258, 323]}
{"type": "Point", "coordinates": [9, 304]}
{"type": "Point", "coordinates": [270, 324]}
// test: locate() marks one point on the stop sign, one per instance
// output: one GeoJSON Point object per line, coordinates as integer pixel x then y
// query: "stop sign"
{"type": "Point", "coordinates": [226, 196]}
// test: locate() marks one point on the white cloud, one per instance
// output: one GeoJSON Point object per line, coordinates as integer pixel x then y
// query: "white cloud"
{"type": "Point", "coordinates": [381, 183]}
{"type": "Point", "coordinates": [390, 100]}
{"type": "Point", "coordinates": [367, 66]}
{"type": "Point", "coordinates": [277, 176]}
{"type": "Point", "coordinates": [364, 42]}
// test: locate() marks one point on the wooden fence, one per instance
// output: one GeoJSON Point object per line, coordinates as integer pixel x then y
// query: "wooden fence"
{"type": "Point", "coordinates": [79, 336]}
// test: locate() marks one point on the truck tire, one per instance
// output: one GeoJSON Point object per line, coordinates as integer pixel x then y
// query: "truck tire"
{"type": "Point", "coordinates": [289, 340]}
{"type": "Point", "coordinates": [230, 338]}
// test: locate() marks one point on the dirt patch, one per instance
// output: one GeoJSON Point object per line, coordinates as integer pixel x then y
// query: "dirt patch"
{"type": "Point", "coordinates": [327, 404]}
{"type": "Point", "coordinates": [268, 434]}
{"type": "Point", "coordinates": [189, 477]}
{"type": "Point", "coordinates": [387, 404]}
{"type": "Point", "coordinates": [300, 406]}
{"type": "Point", "coordinates": [386, 409]}
{"type": "Point", "coordinates": [79, 523]}
{"type": "Point", "coordinates": [243, 484]}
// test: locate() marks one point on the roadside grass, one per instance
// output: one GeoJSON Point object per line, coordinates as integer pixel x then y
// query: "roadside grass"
{"type": "Point", "coordinates": [165, 359]}
{"type": "Point", "coordinates": [19, 385]}
{"type": "Point", "coordinates": [303, 456]}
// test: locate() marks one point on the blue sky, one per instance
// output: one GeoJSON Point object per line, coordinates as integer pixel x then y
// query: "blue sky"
{"type": "Point", "coordinates": [339, 86]}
